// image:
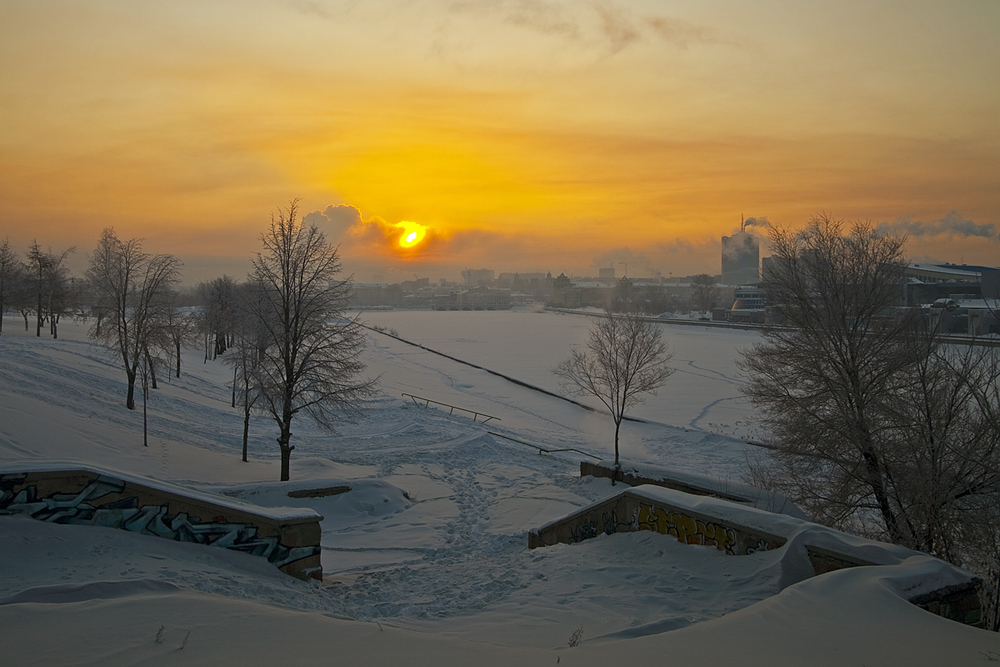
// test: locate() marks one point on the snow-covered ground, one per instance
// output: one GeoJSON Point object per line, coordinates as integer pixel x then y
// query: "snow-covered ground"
{"type": "Point", "coordinates": [426, 558]}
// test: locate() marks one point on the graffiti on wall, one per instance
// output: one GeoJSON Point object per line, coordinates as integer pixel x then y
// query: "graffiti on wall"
{"type": "Point", "coordinates": [125, 513]}
{"type": "Point", "coordinates": [592, 527]}
{"type": "Point", "coordinates": [687, 529]}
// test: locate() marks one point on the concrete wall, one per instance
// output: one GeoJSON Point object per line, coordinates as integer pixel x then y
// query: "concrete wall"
{"type": "Point", "coordinates": [629, 511]}
{"type": "Point", "coordinates": [288, 538]}
{"type": "Point", "coordinates": [739, 530]}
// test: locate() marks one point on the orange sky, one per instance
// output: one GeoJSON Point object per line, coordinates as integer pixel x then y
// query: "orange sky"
{"type": "Point", "coordinates": [517, 135]}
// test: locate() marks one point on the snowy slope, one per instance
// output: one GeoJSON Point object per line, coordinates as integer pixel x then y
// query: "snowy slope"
{"type": "Point", "coordinates": [440, 575]}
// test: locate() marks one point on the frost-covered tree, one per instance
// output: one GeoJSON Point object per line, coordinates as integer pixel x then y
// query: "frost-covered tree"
{"type": "Point", "coordinates": [876, 423]}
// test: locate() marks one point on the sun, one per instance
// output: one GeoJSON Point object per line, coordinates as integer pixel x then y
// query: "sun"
{"type": "Point", "coordinates": [411, 233]}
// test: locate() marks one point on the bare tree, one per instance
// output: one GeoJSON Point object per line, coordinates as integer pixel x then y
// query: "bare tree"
{"type": "Point", "coordinates": [49, 278]}
{"type": "Point", "coordinates": [877, 425]}
{"type": "Point", "coordinates": [706, 291]}
{"type": "Point", "coordinates": [179, 330]}
{"type": "Point", "coordinates": [625, 357]}
{"type": "Point", "coordinates": [132, 288]}
{"type": "Point", "coordinates": [218, 312]}
{"type": "Point", "coordinates": [249, 344]}
{"type": "Point", "coordinates": [11, 270]}
{"type": "Point", "coordinates": [821, 381]}
{"type": "Point", "coordinates": [312, 358]}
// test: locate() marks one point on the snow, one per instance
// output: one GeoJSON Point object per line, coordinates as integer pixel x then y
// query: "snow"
{"type": "Point", "coordinates": [426, 557]}
{"type": "Point", "coordinates": [276, 511]}
{"type": "Point", "coordinates": [754, 497]}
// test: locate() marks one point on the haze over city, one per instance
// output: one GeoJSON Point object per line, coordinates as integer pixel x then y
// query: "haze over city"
{"type": "Point", "coordinates": [426, 138]}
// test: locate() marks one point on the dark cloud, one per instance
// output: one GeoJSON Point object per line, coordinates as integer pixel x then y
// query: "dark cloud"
{"type": "Point", "coordinates": [952, 224]}
{"type": "Point", "coordinates": [340, 217]}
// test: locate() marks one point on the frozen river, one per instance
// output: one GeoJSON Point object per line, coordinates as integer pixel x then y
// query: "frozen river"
{"type": "Point", "coordinates": [702, 394]}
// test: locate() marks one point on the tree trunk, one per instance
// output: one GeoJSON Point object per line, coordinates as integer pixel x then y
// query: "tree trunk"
{"type": "Point", "coordinates": [876, 482]}
{"type": "Point", "coordinates": [152, 370]}
{"type": "Point", "coordinates": [246, 430]}
{"type": "Point", "coordinates": [145, 420]}
{"type": "Point", "coordinates": [234, 385]}
{"type": "Point", "coordinates": [178, 343]}
{"type": "Point", "coordinates": [286, 449]}
{"type": "Point", "coordinates": [130, 396]}
{"type": "Point", "coordinates": [54, 326]}
{"type": "Point", "coordinates": [618, 425]}
{"type": "Point", "coordinates": [38, 320]}
{"type": "Point", "coordinates": [286, 453]}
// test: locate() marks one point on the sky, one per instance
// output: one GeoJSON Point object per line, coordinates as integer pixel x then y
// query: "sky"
{"type": "Point", "coordinates": [516, 135]}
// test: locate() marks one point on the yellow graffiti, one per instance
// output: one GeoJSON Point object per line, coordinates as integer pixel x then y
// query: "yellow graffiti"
{"type": "Point", "coordinates": [687, 529]}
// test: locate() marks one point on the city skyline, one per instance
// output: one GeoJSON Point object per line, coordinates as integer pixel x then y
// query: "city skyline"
{"type": "Point", "coordinates": [523, 135]}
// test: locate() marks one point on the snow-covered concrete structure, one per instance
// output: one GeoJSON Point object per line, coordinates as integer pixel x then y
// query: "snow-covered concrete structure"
{"type": "Point", "coordinates": [72, 492]}
{"type": "Point", "coordinates": [635, 474]}
{"type": "Point", "coordinates": [740, 530]}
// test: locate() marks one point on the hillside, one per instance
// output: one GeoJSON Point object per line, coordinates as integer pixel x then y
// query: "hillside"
{"type": "Point", "coordinates": [426, 558]}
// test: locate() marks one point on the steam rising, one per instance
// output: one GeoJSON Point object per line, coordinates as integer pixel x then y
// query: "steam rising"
{"type": "Point", "coordinates": [952, 224]}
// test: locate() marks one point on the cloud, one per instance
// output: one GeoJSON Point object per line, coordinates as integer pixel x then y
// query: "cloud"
{"type": "Point", "coordinates": [952, 224]}
{"type": "Point", "coordinates": [617, 25]}
{"type": "Point", "coordinates": [347, 224]}
{"type": "Point", "coordinates": [374, 236]}
{"type": "Point", "coordinates": [537, 15]}
{"type": "Point", "coordinates": [341, 217]}
{"type": "Point", "coordinates": [680, 33]}
{"type": "Point", "coordinates": [309, 8]}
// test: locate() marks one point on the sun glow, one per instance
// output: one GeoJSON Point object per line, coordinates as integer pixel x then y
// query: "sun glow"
{"type": "Point", "coordinates": [411, 233]}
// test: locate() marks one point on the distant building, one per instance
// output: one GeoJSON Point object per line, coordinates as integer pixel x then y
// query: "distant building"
{"type": "Point", "coordinates": [740, 259]}
{"type": "Point", "coordinates": [606, 274]}
{"type": "Point", "coordinates": [483, 298]}
{"type": "Point", "coordinates": [474, 277]}
{"type": "Point", "coordinates": [748, 305]}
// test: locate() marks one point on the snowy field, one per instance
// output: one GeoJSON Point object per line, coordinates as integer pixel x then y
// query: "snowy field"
{"type": "Point", "coordinates": [426, 558]}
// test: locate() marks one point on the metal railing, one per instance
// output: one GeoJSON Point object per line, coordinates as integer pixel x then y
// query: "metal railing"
{"type": "Point", "coordinates": [543, 450]}
{"type": "Point", "coordinates": [427, 403]}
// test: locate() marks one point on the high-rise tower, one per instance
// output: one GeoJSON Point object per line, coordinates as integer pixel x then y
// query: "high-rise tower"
{"type": "Point", "coordinates": [740, 258]}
